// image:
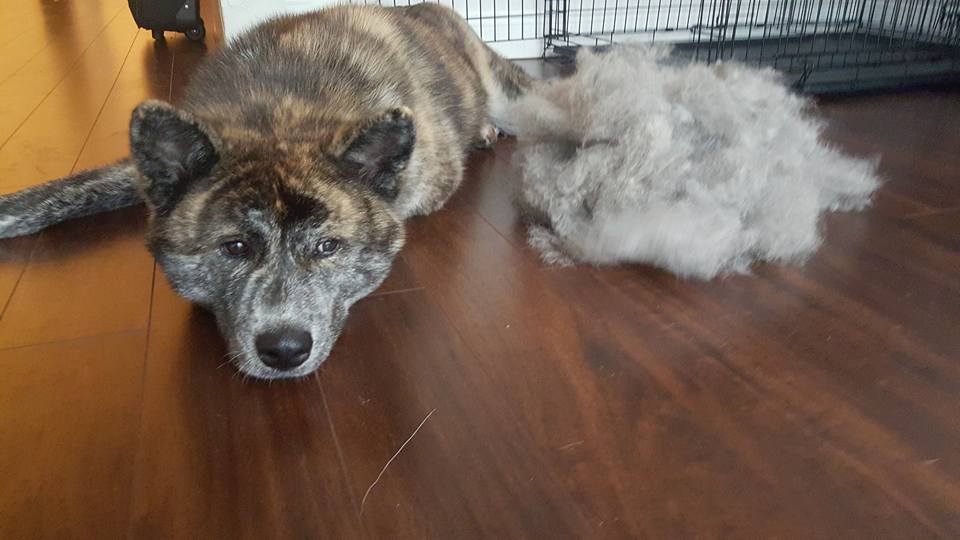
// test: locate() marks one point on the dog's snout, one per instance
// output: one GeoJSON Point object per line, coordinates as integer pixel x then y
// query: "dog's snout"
{"type": "Point", "coordinates": [284, 348]}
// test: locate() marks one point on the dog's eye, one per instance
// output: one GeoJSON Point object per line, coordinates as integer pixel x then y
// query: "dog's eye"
{"type": "Point", "coordinates": [235, 248]}
{"type": "Point", "coordinates": [327, 247]}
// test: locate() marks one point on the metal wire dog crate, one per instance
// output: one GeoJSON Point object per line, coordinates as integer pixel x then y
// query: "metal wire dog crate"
{"type": "Point", "coordinates": [822, 45]}
{"type": "Point", "coordinates": [513, 28]}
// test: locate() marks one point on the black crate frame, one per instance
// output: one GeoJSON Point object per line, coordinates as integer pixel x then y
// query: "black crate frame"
{"type": "Point", "coordinates": [823, 46]}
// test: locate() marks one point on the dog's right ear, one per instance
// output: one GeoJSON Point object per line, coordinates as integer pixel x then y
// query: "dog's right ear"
{"type": "Point", "coordinates": [171, 149]}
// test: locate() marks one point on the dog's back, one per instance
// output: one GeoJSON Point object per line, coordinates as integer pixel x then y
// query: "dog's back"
{"type": "Point", "coordinates": [305, 77]}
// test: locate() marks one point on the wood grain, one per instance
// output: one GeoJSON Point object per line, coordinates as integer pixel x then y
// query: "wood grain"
{"type": "Point", "coordinates": [69, 414]}
{"type": "Point", "coordinates": [31, 151]}
{"type": "Point", "coordinates": [797, 402]}
{"type": "Point", "coordinates": [66, 291]}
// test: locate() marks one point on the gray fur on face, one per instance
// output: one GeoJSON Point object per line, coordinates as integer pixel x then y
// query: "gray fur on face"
{"type": "Point", "coordinates": [283, 281]}
{"type": "Point", "coordinates": [282, 287]}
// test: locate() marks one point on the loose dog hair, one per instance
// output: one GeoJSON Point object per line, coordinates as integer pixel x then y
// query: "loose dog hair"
{"type": "Point", "coordinates": [278, 188]}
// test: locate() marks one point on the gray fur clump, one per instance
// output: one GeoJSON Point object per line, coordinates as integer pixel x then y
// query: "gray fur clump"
{"type": "Point", "coordinates": [698, 169]}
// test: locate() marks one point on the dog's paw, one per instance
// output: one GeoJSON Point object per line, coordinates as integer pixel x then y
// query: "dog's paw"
{"type": "Point", "coordinates": [489, 134]}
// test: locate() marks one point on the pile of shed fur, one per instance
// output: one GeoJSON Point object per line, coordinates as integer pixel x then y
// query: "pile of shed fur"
{"type": "Point", "coordinates": [698, 169]}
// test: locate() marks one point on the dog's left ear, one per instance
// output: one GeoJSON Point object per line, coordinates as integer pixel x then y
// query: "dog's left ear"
{"type": "Point", "coordinates": [376, 150]}
{"type": "Point", "coordinates": [171, 149]}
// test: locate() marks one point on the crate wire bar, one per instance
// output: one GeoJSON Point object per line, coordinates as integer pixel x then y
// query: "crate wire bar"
{"type": "Point", "coordinates": [823, 46]}
{"type": "Point", "coordinates": [514, 28]}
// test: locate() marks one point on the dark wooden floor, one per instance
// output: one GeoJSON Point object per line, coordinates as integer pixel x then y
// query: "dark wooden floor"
{"type": "Point", "coordinates": [814, 402]}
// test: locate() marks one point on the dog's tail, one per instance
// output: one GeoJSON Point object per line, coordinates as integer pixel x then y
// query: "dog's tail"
{"type": "Point", "coordinates": [78, 195]}
{"type": "Point", "coordinates": [510, 83]}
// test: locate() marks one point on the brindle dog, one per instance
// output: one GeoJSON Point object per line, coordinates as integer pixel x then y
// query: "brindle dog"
{"type": "Point", "coordinates": [278, 189]}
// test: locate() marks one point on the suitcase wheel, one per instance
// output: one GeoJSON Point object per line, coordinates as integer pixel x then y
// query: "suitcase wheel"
{"type": "Point", "coordinates": [197, 33]}
{"type": "Point", "coordinates": [157, 35]}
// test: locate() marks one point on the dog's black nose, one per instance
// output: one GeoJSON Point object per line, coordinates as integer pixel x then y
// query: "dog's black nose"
{"type": "Point", "coordinates": [284, 348]}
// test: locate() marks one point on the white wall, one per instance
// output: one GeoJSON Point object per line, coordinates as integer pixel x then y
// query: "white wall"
{"type": "Point", "coordinates": [238, 15]}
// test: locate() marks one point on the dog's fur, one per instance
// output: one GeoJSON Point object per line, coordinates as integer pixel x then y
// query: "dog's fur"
{"type": "Point", "coordinates": [308, 132]}
{"type": "Point", "coordinates": [698, 169]}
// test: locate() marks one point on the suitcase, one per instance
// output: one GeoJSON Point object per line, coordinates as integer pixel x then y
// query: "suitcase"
{"type": "Point", "coordinates": [173, 15]}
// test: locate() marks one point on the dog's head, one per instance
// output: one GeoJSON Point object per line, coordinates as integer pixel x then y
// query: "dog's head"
{"type": "Point", "coordinates": [278, 239]}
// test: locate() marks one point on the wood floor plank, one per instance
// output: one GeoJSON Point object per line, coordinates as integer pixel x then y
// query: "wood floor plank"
{"type": "Point", "coordinates": [941, 229]}
{"type": "Point", "coordinates": [48, 142]}
{"type": "Point", "coordinates": [918, 159]}
{"type": "Point", "coordinates": [74, 67]}
{"type": "Point", "coordinates": [845, 373]}
{"type": "Point", "coordinates": [59, 149]}
{"type": "Point", "coordinates": [471, 471]}
{"type": "Point", "coordinates": [779, 419]}
{"type": "Point", "coordinates": [913, 281]}
{"type": "Point", "coordinates": [66, 291]}
{"type": "Point", "coordinates": [224, 457]}
{"type": "Point", "coordinates": [213, 22]}
{"type": "Point", "coordinates": [35, 38]}
{"type": "Point", "coordinates": [69, 414]}
{"type": "Point", "coordinates": [146, 74]}
{"type": "Point", "coordinates": [14, 256]}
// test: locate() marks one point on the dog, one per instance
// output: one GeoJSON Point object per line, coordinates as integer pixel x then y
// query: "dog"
{"type": "Point", "coordinates": [277, 190]}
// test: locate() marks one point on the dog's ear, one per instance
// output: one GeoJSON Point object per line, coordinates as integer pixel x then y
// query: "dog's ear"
{"type": "Point", "coordinates": [171, 149]}
{"type": "Point", "coordinates": [377, 149]}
